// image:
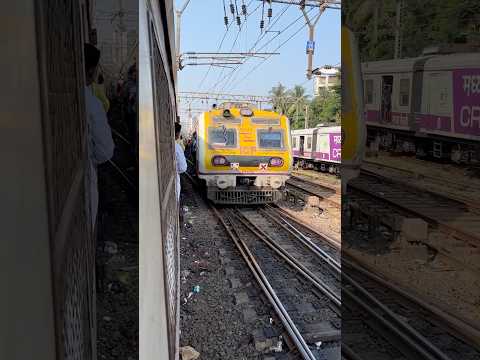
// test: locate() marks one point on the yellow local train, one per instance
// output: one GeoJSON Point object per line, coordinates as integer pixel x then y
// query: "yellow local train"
{"type": "Point", "coordinates": [243, 154]}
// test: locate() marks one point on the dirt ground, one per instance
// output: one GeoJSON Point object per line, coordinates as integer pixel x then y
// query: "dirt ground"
{"type": "Point", "coordinates": [462, 183]}
{"type": "Point", "coordinates": [321, 215]}
{"type": "Point", "coordinates": [442, 270]}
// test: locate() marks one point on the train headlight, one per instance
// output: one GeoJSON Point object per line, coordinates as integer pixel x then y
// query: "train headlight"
{"type": "Point", "coordinates": [219, 161]}
{"type": "Point", "coordinates": [276, 161]}
{"type": "Point", "coordinates": [276, 183]}
{"type": "Point", "coordinates": [227, 113]}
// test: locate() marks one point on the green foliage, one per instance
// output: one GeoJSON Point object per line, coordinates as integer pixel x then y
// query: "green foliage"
{"type": "Point", "coordinates": [324, 108]}
{"type": "Point", "coordinates": [424, 23]}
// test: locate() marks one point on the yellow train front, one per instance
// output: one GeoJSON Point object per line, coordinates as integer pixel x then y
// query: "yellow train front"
{"type": "Point", "coordinates": [243, 154]}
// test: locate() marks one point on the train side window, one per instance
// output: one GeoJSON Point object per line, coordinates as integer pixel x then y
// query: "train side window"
{"type": "Point", "coordinates": [369, 91]}
{"type": "Point", "coordinates": [404, 92]}
{"type": "Point", "coordinates": [309, 142]}
{"type": "Point", "coordinates": [294, 142]}
{"type": "Point", "coordinates": [270, 139]}
{"type": "Point", "coordinates": [222, 137]}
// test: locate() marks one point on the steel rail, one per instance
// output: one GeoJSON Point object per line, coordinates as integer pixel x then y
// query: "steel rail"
{"type": "Point", "coordinates": [334, 243]}
{"type": "Point", "coordinates": [411, 337]}
{"type": "Point", "coordinates": [335, 265]}
{"type": "Point", "coordinates": [460, 326]}
{"type": "Point", "coordinates": [334, 203]}
{"type": "Point", "coordinates": [442, 225]}
{"type": "Point", "coordinates": [267, 289]}
{"type": "Point", "coordinates": [309, 275]}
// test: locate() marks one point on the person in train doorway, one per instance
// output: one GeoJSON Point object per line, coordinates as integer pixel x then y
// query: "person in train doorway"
{"type": "Point", "coordinates": [100, 144]}
{"type": "Point", "coordinates": [181, 165]}
{"type": "Point", "coordinates": [99, 91]}
{"type": "Point", "coordinates": [131, 106]}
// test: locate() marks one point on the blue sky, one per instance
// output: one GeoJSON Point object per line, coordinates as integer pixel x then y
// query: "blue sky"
{"type": "Point", "coordinates": [203, 28]}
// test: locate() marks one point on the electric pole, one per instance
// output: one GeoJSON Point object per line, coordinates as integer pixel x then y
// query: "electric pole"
{"type": "Point", "coordinates": [311, 32]}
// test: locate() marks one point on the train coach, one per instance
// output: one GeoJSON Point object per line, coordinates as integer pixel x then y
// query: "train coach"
{"type": "Point", "coordinates": [243, 154]}
{"type": "Point", "coordinates": [318, 148]}
{"type": "Point", "coordinates": [428, 106]}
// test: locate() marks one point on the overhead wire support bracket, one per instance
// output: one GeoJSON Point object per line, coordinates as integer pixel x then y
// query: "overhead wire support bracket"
{"type": "Point", "coordinates": [311, 23]}
{"type": "Point", "coordinates": [309, 3]}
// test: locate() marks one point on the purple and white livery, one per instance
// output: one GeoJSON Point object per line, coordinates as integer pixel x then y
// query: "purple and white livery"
{"type": "Point", "coordinates": [428, 105]}
{"type": "Point", "coordinates": [319, 148]}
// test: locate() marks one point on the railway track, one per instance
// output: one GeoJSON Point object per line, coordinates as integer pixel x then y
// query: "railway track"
{"type": "Point", "coordinates": [386, 321]}
{"type": "Point", "coordinates": [447, 215]}
{"type": "Point", "coordinates": [325, 192]}
{"type": "Point", "coordinates": [435, 185]}
{"type": "Point", "coordinates": [308, 311]}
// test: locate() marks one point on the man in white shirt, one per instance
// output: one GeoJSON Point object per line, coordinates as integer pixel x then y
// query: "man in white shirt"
{"type": "Point", "coordinates": [180, 156]}
{"type": "Point", "coordinates": [99, 135]}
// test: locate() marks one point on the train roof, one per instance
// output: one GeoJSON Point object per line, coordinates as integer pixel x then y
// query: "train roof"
{"type": "Point", "coordinates": [457, 61]}
{"type": "Point", "coordinates": [432, 63]}
{"type": "Point", "coordinates": [321, 129]}
{"type": "Point", "coordinates": [389, 66]}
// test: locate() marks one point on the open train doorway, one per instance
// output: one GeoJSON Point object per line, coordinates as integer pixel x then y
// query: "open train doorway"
{"type": "Point", "coordinates": [302, 145]}
{"type": "Point", "coordinates": [387, 87]}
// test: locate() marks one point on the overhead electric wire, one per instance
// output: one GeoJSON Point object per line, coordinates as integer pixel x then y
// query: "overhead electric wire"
{"type": "Point", "coordinates": [219, 48]}
{"type": "Point", "coordinates": [260, 37]}
{"type": "Point", "coordinates": [264, 60]}
{"type": "Point", "coordinates": [228, 79]}
{"type": "Point", "coordinates": [234, 43]}
{"type": "Point", "coordinates": [268, 42]}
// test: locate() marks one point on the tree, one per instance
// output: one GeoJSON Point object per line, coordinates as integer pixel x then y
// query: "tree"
{"type": "Point", "coordinates": [280, 97]}
{"type": "Point", "coordinates": [297, 103]}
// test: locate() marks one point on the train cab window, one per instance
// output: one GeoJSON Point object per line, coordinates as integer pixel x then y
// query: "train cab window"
{"type": "Point", "coordinates": [404, 92]}
{"type": "Point", "coordinates": [223, 137]}
{"type": "Point", "coordinates": [309, 142]}
{"type": "Point", "coordinates": [369, 91]}
{"type": "Point", "coordinates": [270, 139]}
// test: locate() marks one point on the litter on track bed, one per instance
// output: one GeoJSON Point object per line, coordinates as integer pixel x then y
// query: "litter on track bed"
{"type": "Point", "coordinates": [227, 318]}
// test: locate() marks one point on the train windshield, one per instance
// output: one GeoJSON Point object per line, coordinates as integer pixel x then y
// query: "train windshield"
{"type": "Point", "coordinates": [270, 139]}
{"type": "Point", "coordinates": [221, 136]}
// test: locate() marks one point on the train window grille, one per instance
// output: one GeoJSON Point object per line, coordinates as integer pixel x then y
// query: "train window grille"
{"type": "Point", "coordinates": [164, 122]}
{"type": "Point", "coordinates": [268, 139]}
{"type": "Point", "coordinates": [222, 137]}
{"type": "Point", "coordinates": [72, 252]}
{"type": "Point", "coordinates": [404, 92]}
{"type": "Point", "coordinates": [309, 142]}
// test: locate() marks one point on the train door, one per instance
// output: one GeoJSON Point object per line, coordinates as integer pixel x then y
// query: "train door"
{"type": "Point", "coordinates": [387, 88]}
{"type": "Point", "coordinates": [302, 145]}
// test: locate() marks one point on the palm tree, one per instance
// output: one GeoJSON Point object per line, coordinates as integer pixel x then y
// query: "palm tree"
{"type": "Point", "coordinates": [280, 97]}
{"type": "Point", "coordinates": [298, 101]}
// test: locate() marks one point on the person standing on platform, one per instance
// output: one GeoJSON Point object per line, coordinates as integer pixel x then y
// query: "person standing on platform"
{"type": "Point", "coordinates": [180, 157]}
{"type": "Point", "coordinates": [99, 91]}
{"type": "Point", "coordinates": [99, 135]}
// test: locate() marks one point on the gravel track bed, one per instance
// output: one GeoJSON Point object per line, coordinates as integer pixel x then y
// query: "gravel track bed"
{"type": "Point", "coordinates": [313, 313]}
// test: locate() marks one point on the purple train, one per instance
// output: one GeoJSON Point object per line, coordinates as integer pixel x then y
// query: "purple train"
{"type": "Point", "coordinates": [319, 148]}
{"type": "Point", "coordinates": [428, 106]}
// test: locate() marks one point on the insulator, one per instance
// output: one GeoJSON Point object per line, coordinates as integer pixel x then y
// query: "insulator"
{"type": "Point", "coordinates": [238, 21]}
{"type": "Point", "coordinates": [262, 24]}
{"type": "Point", "coordinates": [269, 12]}
{"type": "Point", "coordinates": [232, 8]}
{"type": "Point", "coordinates": [244, 9]}
{"type": "Point", "coordinates": [225, 20]}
